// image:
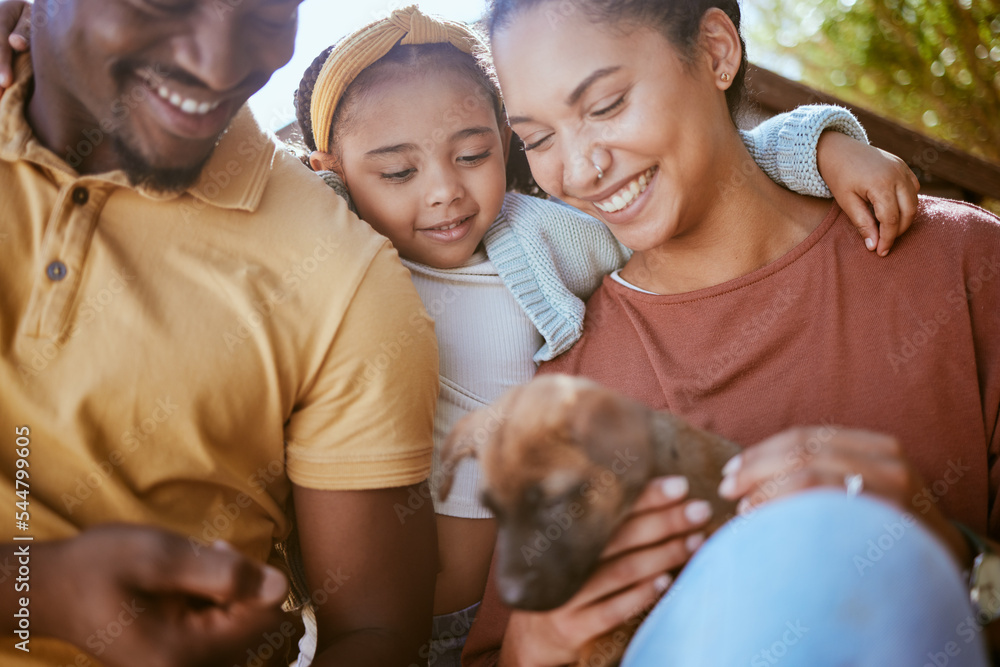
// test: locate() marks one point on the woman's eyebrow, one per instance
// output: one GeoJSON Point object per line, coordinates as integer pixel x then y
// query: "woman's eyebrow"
{"type": "Point", "coordinates": [577, 93]}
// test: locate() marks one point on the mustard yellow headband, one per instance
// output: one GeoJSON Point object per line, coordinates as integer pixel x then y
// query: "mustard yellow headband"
{"type": "Point", "coordinates": [365, 47]}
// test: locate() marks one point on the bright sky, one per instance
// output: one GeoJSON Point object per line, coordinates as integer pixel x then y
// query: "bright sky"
{"type": "Point", "coordinates": [323, 22]}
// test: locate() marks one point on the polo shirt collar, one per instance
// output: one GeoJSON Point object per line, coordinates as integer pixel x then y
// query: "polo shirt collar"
{"type": "Point", "coordinates": [234, 177]}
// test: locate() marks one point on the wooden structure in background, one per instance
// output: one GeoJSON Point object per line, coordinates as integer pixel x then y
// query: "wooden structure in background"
{"type": "Point", "coordinates": [944, 170]}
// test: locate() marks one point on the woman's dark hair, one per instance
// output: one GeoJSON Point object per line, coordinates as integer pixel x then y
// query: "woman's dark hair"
{"type": "Point", "coordinates": [677, 20]}
{"type": "Point", "coordinates": [413, 57]}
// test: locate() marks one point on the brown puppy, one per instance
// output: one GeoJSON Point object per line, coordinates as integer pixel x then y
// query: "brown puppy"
{"type": "Point", "coordinates": [563, 460]}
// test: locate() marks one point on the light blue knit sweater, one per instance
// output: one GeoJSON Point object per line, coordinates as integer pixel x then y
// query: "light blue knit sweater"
{"type": "Point", "coordinates": [552, 257]}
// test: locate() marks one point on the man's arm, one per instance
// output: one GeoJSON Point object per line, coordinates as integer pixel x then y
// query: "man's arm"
{"type": "Point", "coordinates": [377, 566]}
{"type": "Point", "coordinates": [358, 447]}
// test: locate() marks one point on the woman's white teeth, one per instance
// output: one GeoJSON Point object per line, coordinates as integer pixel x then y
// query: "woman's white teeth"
{"type": "Point", "coordinates": [627, 194]}
{"type": "Point", "coordinates": [185, 104]}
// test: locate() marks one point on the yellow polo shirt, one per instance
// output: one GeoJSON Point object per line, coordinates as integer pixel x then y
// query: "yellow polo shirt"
{"type": "Point", "coordinates": [179, 360]}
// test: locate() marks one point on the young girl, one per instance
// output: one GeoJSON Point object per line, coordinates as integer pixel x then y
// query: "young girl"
{"type": "Point", "coordinates": [404, 122]}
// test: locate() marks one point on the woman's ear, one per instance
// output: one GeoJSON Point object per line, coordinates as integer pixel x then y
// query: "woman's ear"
{"type": "Point", "coordinates": [720, 41]}
{"type": "Point", "coordinates": [320, 161]}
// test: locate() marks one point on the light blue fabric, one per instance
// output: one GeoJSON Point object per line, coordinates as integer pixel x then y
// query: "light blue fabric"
{"type": "Point", "coordinates": [816, 579]}
{"type": "Point", "coordinates": [552, 257]}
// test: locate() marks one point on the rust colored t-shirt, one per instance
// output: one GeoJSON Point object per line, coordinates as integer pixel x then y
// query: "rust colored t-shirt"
{"type": "Point", "coordinates": [907, 345]}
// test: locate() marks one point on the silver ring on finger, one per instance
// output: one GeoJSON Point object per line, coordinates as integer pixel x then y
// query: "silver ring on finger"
{"type": "Point", "coordinates": [854, 484]}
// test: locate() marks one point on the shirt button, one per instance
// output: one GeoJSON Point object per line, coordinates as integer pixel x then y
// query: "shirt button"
{"type": "Point", "coordinates": [80, 196]}
{"type": "Point", "coordinates": [56, 271]}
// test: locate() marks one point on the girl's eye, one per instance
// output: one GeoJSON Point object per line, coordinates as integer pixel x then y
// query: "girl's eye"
{"type": "Point", "coordinates": [530, 146]}
{"type": "Point", "coordinates": [608, 109]}
{"type": "Point", "coordinates": [399, 176]}
{"type": "Point", "coordinates": [473, 160]}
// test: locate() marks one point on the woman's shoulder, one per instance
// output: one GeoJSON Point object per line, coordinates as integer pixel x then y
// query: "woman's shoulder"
{"type": "Point", "coordinates": [948, 216]}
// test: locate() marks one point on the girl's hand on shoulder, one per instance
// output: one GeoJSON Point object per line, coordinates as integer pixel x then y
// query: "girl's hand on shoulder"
{"type": "Point", "coordinates": [658, 536]}
{"type": "Point", "coordinates": [15, 29]}
{"type": "Point", "coordinates": [829, 456]}
{"type": "Point", "coordinates": [863, 178]}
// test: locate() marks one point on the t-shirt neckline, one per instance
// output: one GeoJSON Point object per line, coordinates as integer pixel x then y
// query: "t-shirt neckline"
{"type": "Point", "coordinates": [621, 286]}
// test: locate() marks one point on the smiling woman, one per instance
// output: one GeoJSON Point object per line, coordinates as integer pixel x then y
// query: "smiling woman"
{"type": "Point", "coordinates": [738, 295]}
{"type": "Point", "coordinates": [193, 71]}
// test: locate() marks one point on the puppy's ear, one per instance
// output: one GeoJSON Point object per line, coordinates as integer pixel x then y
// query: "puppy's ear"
{"type": "Point", "coordinates": [472, 432]}
{"type": "Point", "coordinates": [459, 444]}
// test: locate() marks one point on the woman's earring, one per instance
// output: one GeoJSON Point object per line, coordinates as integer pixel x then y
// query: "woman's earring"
{"type": "Point", "coordinates": [726, 77]}
{"type": "Point", "coordinates": [600, 172]}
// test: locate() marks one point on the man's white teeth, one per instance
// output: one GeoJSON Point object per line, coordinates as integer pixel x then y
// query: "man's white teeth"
{"type": "Point", "coordinates": [186, 105]}
{"type": "Point", "coordinates": [627, 194]}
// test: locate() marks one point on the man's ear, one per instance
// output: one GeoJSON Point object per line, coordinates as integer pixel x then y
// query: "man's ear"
{"type": "Point", "coordinates": [320, 161]}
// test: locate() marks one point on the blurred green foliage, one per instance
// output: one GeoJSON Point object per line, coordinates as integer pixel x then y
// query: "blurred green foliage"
{"type": "Point", "coordinates": [931, 65]}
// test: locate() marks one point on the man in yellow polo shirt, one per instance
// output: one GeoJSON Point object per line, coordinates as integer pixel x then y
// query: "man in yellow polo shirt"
{"type": "Point", "coordinates": [196, 336]}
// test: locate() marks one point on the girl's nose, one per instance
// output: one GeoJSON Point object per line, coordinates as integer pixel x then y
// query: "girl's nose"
{"type": "Point", "coordinates": [445, 188]}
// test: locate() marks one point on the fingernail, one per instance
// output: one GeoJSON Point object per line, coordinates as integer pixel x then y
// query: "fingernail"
{"type": "Point", "coordinates": [675, 487]}
{"type": "Point", "coordinates": [662, 583]}
{"type": "Point", "coordinates": [18, 42]}
{"type": "Point", "coordinates": [884, 252]}
{"type": "Point", "coordinates": [4, 80]}
{"type": "Point", "coordinates": [273, 584]}
{"type": "Point", "coordinates": [732, 465]}
{"type": "Point", "coordinates": [870, 243]}
{"type": "Point", "coordinates": [694, 541]}
{"type": "Point", "coordinates": [698, 511]}
{"type": "Point", "coordinates": [728, 486]}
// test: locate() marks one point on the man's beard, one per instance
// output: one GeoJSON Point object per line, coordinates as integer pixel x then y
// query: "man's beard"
{"type": "Point", "coordinates": [141, 173]}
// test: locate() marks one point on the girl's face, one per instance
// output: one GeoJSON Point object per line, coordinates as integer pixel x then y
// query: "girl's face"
{"type": "Point", "coordinates": [423, 159]}
{"type": "Point", "coordinates": [581, 95]}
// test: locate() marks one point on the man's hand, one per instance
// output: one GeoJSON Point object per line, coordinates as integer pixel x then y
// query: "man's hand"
{"type": "Point", "coordinates": [133, 595]}
{"type": "Point", "coordinates": [15, 29]}
{"type": "Point", "coordinates": [659, 536]}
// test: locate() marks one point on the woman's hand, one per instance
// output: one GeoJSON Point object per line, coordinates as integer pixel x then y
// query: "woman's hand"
{"type": "Point", "coordinates": [15, 26]}
{"type": "Point", "coordinates": [659, 536]}
{"type": "Point", "coordinates": [805, 458]}
{"type": "Point", "coordinates": [859, 175]}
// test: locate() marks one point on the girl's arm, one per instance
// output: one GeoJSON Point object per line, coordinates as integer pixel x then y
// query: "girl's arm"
{"type": "Point", "coordinates": [822, 151]}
